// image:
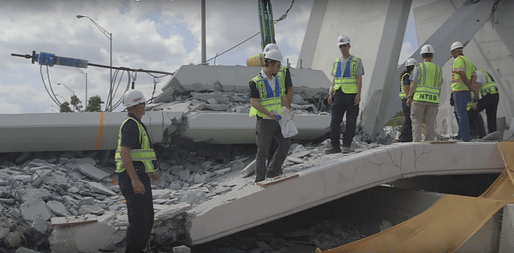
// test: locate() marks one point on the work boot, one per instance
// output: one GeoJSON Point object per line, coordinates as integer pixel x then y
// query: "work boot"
{"type": "Point", "coordinates": [346, 150]}
{"type": "Point", "coordinates": [272, 174]}
{"type": "Point", "coordinates": [333, 150]}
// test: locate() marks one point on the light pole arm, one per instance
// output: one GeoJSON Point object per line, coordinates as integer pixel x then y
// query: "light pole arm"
{"type": "Point", "coordinates": [105, 32]}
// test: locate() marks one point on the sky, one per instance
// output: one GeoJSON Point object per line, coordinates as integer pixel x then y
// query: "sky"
{"type": "Point", "coordinates": [158, 35]}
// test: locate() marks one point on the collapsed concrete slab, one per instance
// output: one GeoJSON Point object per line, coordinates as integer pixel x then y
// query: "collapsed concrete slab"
{"type": "Point", "coordinates": [334, 178]}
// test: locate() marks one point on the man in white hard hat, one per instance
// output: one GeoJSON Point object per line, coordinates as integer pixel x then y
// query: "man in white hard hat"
{"type": "Point", "coordinates": [406, 133]}
{"type": "Point", "coordinates": [345, 96]}
{"type": "Point", "coordinates": [136, 164]}
{"type": "Point", "coordinates": [424, 94]}
{"type": "Point", "coordinates": [268, 91]}
{"type": "Point", "coordinates": [289, 92]}
{"type": "Point", "coordinates": [462, 83]}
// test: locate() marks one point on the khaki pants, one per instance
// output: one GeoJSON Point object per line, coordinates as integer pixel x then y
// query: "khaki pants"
{"type": "Point", "coordinates": [427, 112]}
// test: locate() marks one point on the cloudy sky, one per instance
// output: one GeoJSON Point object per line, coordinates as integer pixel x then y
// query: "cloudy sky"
{"type": "Point", "coordinates": [156, 35]}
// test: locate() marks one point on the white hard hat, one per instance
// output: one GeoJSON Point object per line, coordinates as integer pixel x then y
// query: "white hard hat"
{"type": "Point", "coordinates": [269, 47]}
{"type": "Point", "coordinates": [343, 40]}
{"type": "Point", "coordinates": [456, 45]}
{"type": "Point", "coordinates": [132, 98]}
{"type": "Point", "coordinates": [427, 49]}
{"type": "Point", "coordinates": [411, 62]}
{"type": "Point", "coordinates": [273, 54]}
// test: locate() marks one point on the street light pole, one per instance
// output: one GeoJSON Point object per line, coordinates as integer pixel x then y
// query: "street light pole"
{"type": "Point", "coordinates": [84, 74]}
{"type": "Point", "coordinates": [72, 92]}
{"type": "Point", "coordinates": [109, 36]}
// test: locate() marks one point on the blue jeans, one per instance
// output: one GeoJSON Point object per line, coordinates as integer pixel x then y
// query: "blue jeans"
{"type": "Point", "coordinates": [461, 102]}
{"type": "Point", "coordinates": [406, 134]}
{"type": "Point", "coordinates": [140, 212]}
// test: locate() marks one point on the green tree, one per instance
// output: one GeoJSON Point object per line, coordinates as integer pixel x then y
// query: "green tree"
{"type": "Point", "coordinates": [94, 104]}
{"type": "Point", "coordinates": [75, 101]}
{"type": "Point", "coordinates": [65, 107]}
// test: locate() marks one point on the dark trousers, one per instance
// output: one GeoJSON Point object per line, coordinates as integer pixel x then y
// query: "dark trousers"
{"type": "Point", "coordinates": [489, 103]}
{"type": "Point", "coordinates": [343, 103]}
{"type": "Point", "coordinates": [140, 212]}
{"type": "Point", "coordinates": [406, 134]}
{"type": "Point", "coordinates": [266, 130]}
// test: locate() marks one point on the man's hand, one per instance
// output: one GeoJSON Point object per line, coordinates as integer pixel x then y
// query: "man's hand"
{"type": "Point", "coordinates": [138, 186]}
{"type": "Point", "coordinates": [357, 99]}
{"type": "Point", "coordinates": [474, 105]}
{"type": "Point", "coordinates": [329, 99]}
{"type": "Point", "coordinates": [154, 176]}
{"type": "Point", "coordinates": [409, 102]}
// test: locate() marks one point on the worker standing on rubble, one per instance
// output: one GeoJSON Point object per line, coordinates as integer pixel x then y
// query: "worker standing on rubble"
{"type": "Point", "coordinates": [489, 101]}
{"type": "Point", "coordinates": [424, 93]}
{"type": "Point", "coordinates": [289, 93]}
{"type": "Point", "coordinates": [345, 96]}
{"type": "Point", "coordinates": [406, 133]}
{"type": "Point", "coordinates": [136, 164]}
{"type": "Point", "coordinates": [267, 96]}
{"type": "Point", "coordinates": [462, 83]}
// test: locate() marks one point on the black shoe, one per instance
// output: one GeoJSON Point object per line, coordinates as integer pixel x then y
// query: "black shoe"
{"type": "Point", "coordinates": [333, 150]}
{"type": "Point", "coordinates": [272, 174]}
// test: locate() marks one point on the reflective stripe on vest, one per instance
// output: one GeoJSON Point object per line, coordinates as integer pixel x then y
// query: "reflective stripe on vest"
{"type": "Point", "coordinates": [457, 82]}
{"type": "Point", "coordinates": [346, 77]}
{"type": "Point", "coordinates": [429, 83]}
{"type": "Point", "coordinates": [272, 102]}
{"type": "Point", "coordinates": [402, 91]}
{"type": "Point", "coordinates": [490, 86]}
{"type": "Point", "coordinates": [470, 103]}
{"type": "Point", "coordinates": [145, 155]}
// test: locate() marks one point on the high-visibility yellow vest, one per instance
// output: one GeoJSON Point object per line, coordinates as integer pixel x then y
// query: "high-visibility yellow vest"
{"type": "Point", "coordinates": [145, 154]}
{"type": "Point", "coordinates": [402, 91]}
{"type": "Point", "coordinates": [490, 86]}
{"type": "Point", "coordinates": [461, 63]}
{"type": "Point", "coordinates": [271, 101]}
{"type": "Point", "coordinates": [429, 83]}
{"type": "Point", "coordinates": [347, 81]}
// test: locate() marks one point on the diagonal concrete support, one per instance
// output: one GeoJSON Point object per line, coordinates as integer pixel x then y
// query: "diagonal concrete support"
{"type": "Point", "coordinates": [383, 79]}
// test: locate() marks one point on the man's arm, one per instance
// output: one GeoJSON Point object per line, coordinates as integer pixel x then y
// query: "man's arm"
{"type": "Point", "coordinates": [331, 92]}
{"type": "Point", "coordinates": [126, 159]}
{"type": "Point", "coordinates": [359, 88]}
{"type": "Point", "coordinates": [413, 86]}
{"type": "Point", "coordinates": [254, 102]}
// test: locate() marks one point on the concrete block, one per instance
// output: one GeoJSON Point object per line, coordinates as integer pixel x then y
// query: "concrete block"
{"type": "Point", "coordinates": [99, 188]}
{"type": "Point", "coordinates": [181, 249]}
{"type": "Point", "coordinates": [57, 208]}
{"type": "Point", "coordinates": [31, 210]}
{"type": "Point", "coordinates": [171, 211]}
{"type": "Point", "coordinates": [85, 160]}
{"type": "Point", "coordinates": [24, 250]}
{"type": "Point", "coordinates": [80, 238]}
{"type": "Point", "coordinates": [184, 175]}
{"type": "Point", "coordinates": [13, 238]}
{"type": "Point", "coordinates": [40, 224]}
{"type": "Point", "coordinates": [248, 170]}
{"type": "Point", "coordinates": [508, 135]}
{"type": "Point", "coordinates": [3, 231]}
{"type": "Point", "coordinates": [92, 172]}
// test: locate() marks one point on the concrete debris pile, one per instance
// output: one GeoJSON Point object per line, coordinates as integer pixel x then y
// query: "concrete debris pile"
{"type": "Point", "coordinates": [62, 185]}
{"type": "Point", "coordinates": [231, 98]}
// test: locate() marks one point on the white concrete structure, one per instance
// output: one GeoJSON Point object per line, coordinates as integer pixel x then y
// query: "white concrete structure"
{"type": "Point", "coordinates": [341, 176]}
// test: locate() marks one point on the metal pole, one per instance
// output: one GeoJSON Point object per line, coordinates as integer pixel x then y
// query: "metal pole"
{"type": "Point", "coordinates": [110, 75]}
{"type": "Point", "coordinates": [203, 35]}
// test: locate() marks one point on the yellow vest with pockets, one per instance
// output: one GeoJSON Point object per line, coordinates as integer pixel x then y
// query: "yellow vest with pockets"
{"type": "Point", "coordinates": [272, 102]}
{"type": "Point", "coordinates": [402, 91]}
{"type": "Point", "coordinates": [146, 154]}
{"type": "Point", "coordinates": [347, 82]}
{"type": "Point", "coordinates": [490, 86]}
{"type": "Point", "coordinates": [429, 83]}
{"type": "Point", "coordinates": [457, 82]}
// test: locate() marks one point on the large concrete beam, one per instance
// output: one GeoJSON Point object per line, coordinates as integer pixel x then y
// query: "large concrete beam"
{"type": "Point", "coordinates": [384, 74]}
{"type": "Point", "coordinates": [343, 175]}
